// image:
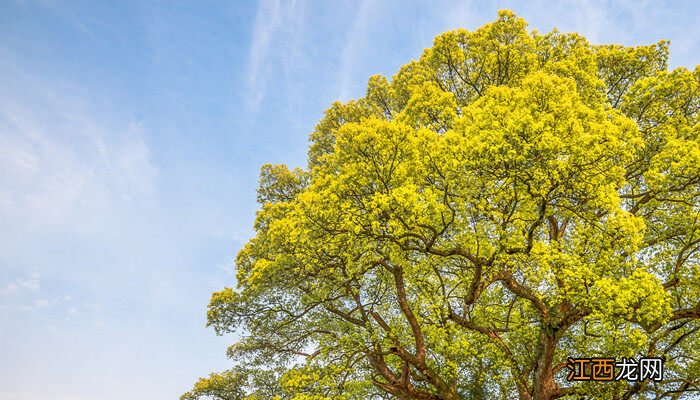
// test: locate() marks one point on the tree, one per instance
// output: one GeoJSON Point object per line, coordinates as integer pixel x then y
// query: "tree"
{"type": "Point", "coordinates": [507, 201]}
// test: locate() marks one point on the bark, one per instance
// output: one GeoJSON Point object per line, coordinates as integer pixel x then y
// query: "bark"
{"type": "Point", "coordinates": [544, 387]}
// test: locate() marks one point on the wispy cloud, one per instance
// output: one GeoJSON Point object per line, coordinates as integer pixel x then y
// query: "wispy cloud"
{"type": "Point", "coordinates": [463, 14]}
{"type": "Point", "coordinates": [626, 22]}
{"type": "Point", "coordinates": [267, 23]}
{"type": "Point", "coordinates": [67, 168]}
{"type": "Point", "coordinates": [64, 165]}
{"type": "Point", "coordinates": [274, 22]}
{"type": "Point", "coordinates": [357, 38]}
{"type": "Point", "coordinates": [24, 293]}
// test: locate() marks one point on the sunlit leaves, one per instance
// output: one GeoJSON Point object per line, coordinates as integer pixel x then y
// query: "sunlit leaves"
{"type": "Point", "coordinates": [506, 201]}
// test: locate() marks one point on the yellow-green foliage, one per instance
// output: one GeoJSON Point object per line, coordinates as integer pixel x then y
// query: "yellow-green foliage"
{"type": "Point", "coordinates": [507, 201]}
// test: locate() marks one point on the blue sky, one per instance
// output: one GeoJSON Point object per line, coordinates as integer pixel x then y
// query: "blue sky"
{"type": "Point", "coordinates": [131, 137]}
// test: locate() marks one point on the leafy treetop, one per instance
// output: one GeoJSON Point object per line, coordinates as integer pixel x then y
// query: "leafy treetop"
{"type": "Point", "coordinates": [506, 201]}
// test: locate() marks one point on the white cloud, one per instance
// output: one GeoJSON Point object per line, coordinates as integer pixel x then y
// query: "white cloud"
{"type": "Point", "coordinates": [355, 42]}
{"type": "Point", "coordinates": [267, 22]}
{"type": "Point", "coordinates": [30, 284]}
{"type": "Point", "coordinates": [9, 289]}
{"type": "Point", "coordinates": [275, 20]}
{"type": "Point", "coordinates": [464, 14]}
{"type": "Point", "coordinates": [41, 303]}
{"type": "Point", "coordinates": [65, 165]}
{"type": "Point", "coordinates": [26, 294]}
{"type": "Point", "coordinates": [21, 284]}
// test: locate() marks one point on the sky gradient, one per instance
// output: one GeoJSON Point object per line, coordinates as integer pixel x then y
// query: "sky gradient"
{"type": "Point", "coordinates": [131, 138]}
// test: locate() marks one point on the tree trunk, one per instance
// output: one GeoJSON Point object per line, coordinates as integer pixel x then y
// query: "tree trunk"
{"type": "Point", "coordinates": [544, 387]}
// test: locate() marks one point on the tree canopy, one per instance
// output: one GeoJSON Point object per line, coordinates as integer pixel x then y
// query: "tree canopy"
{"type": "Point", "coordinates": [507, 201]}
